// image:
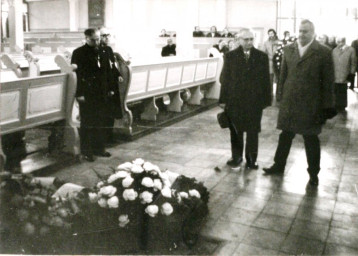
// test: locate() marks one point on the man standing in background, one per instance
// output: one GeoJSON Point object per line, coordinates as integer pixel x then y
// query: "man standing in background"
{"type": "Point", "coordinates": [270, 47]}
{"type": "Point", "coordinates": [352, 78]}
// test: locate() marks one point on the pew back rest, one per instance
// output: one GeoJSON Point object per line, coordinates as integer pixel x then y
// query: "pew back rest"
{"type": "Point", "coordinates": [30, 102]}
{"type": "Point", "coordinates": [158, 79]}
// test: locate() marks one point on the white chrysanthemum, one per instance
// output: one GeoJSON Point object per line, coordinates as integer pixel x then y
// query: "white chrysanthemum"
{"type": "Point", "coordinates": [149, 167]}
{"type": "Point", "coordinates": [123, 220]}
{"type": "Point", "coordinates": [102, 202]}
{"type": "Point", "coordinates": [130, 194]}
{"type": "Point", "coordinates": [100, 184]}
{"type": "Point", "coordinates": [146, 197]}
{"type": "Point", "coordinates": [138, 161]}
{"type": "Point", "coordinates": [194, 193]}
{"type": "Point", "coordinates": [127, 181]}
{"type": "Point", "coordinates": [93, 197]}
{"type": "Point", "coordinates": [166, 192]}
{"type": "Point", "coordinates": [108, 191]}
{"type": "Point", "coordinates": [152, 210]}
{"type": "Point", "coordinates": [183, 194]}
{"type": "Point", "coordinates": [166, 209]}
{"type": "Point", "coordinates": [137, 168]}
{"type": "Point", "coordinates": [147, 182]}
{"type": "Point", "coordinates": [172, 176]}
{"type": "Point", "coordinates": [125, 167]}
{"type": "Point", "coordinates": [117, 175]}
{"type": "Point", "coordinates": [113, 202]}
{"type": "Point", "coordinates": [157, 184]}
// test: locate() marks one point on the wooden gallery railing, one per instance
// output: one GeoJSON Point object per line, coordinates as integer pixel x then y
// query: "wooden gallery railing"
{"type": "Point", "coordinates": [32, 102]}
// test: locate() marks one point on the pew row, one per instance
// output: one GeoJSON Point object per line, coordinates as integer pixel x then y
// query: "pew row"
{"type": "Point", "coordinates": [148, 82]}
{"type": "Point", "coordinates": [36, 102]}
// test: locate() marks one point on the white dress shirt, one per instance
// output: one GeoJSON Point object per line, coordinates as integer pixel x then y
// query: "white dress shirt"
{"type": "Point", "coordinates": [303, 49]}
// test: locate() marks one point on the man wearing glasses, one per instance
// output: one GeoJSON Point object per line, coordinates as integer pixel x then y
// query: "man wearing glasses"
{"type": "Point", "coordinates": [91, 94]}
{"type": "Point", "coordinates": [245, 92]}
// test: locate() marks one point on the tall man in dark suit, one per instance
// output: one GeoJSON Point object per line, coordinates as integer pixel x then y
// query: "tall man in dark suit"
{"type": "Point", "coordinates": [169, 49]}
{"type": "Point", "coordinates": [245, 92]}
{"type": "Point", "coordinates": [91, 94]}
{"type": "Point", "coordinates": [305, 90]}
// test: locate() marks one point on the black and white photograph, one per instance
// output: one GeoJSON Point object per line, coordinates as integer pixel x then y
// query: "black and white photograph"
{"type": "Point", "coordinates": [179, 127]}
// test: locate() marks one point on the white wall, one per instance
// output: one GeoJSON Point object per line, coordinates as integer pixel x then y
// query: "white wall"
{"type": "Point", "coordinates": [49, 15]}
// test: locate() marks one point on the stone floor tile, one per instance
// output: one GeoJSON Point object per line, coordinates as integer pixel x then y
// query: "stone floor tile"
{"type": "Point", "coordinates": [344, 221]}
{"type": "Point", "coordinates": [245, 249]}
{"type": "Point", "coordinates": [264, 238]}
{"type": "Point", "coordinates": [297, 245]}
{"type": "Point", "coordinates": [273, 222]}
{"type": "Point", "coordinates": [226, 230]}
{"type": "Point", "coordinates": [239, 215]}
{"type": "Point", "coordinates": [309, 229]}
{"type": "Point", "coordinates": [346, 237]}
{"type": "Point", "coordinates": [227, 249]}
{"type": "Point", "coordinates": [339, 250]}
{"type": "Point", "coordinates": [314, 215]}
{"type": "Point", "coordinates": [346, 208]}
{"type": "Point", "coordinates": [249, 203]}
{"type": "Point", "coordinates": [279, 209]}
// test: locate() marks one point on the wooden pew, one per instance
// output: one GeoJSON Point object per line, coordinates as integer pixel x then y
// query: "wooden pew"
{"type": "Point", "coordinates": [32, 102]}
{"type": "Point", "coordinates": [149, 81]}
{"type": "Point", "coordinates": [41, 64]}
{"type": "Point", "coordinates": [16, 62]}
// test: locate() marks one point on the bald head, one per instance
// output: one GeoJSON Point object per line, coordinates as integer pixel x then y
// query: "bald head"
{"type": "Point", "coordinates": [246, 38]}
{"type": "Point", "coordinates": [306, 32]}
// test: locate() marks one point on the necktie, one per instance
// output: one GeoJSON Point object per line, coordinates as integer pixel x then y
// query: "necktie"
{"type": "Point", "coordinates": [247, 55]}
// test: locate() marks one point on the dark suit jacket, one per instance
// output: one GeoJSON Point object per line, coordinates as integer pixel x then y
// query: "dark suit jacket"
{"type": "Point", "coordinates": [245, 88]}
{"type": "Point", "coordinates": [198, 34]}
{"type": "Point", "coordinates": [216, 34]}
{"type": "Point", "coordinates": [305, 88]}
{"type": "Point", "coordinates": [355, 46]}
{"type": "Point", "coordinates": [169, 49]}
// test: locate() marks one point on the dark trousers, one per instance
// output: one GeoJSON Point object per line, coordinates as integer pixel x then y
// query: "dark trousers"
{"type": "Point", "coordinates": [340, 90]}
{"type": "Point", "coordinates": [92, 133]}
{"type": "Point", "coordinates": [352, 80]}
{"type": "Point", "coordinates": [312, 146]}
{"type": "Point", "coordinates": [108, 133]}
{"type": "Point", "coordinates": [237, 144]}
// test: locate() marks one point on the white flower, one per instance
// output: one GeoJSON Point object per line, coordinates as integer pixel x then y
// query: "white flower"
{"type": "Point", "coordinates": [166, 209]}
{"type": "Point", "coordinates": [147, 182]}
{"type": "Point", "coordinates": [149, 167]}
{"type": "Point", "coordinates": [146, 197]}
{"type": "Point", "coordinates": [102, 202]}
{"type": "Point", "coordinates": [107, 191]}
{"type": "Point", "coordinates": [157, 184]}
{"type": "Point", "coordinates": [92, 197]}
{"type": "Point", "coordinates": [172, 176]}
{"type": "Point", "coordinates": [127, 181]}
{"type": "Point", "coordinates": [125, 167]}
{"type": "Point", "coordinates": [137, 169]}
{"type": "Point", "coordinates": [165, 178]}
{"type": "Point", "coordinates": [152, 210]}
{"type": "Point", "coordinates": [166, 192]}
{"type": "Point", "coordinates": [123, 220]}
{"type": "Point", "coordinates": [100, 184]}
{"type": "Point", "coordinates": [129, 194]}
{"type": "Point", "coordinates": [117, 175]}
{"type": "Point", "coordinates": [183, 194]}
{"type": "Point", "coordinates": [194, 193]}
{"type": "Point", "coordinates": [138, 161]}
{"type": "Point", "coordinates": [113, 202]}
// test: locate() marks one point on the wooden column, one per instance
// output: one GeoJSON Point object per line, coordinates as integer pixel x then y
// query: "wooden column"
{"type": "Point", "coordinates": [16, 25]}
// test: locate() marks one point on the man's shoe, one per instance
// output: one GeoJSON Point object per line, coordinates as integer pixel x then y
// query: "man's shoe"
{"type": "Point", "coordinates": [103, 154]}
{"type": "Point", "coordinates": [313, 180]}
{"type": "Point", "coordinates": [234, 162]}
{"type": "Point", "coordinates": [274, 169]}
{"type": "Point", "coordinates": [253, 166]}
{"type": "Point", "coordinates": [88, 158]}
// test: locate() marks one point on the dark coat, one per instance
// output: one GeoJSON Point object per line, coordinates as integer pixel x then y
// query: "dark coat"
{"type": "Point", "coordinates": [245, 88]}
{"type": "Point", "coordinates": [305, 88]}
{"type": "Point", "coordinates": [216, 34]}
{"type": "Point", "coordinates": [169, 49]}
{"type": "Point", "coordinates": [355, 46]}
{"type": "Point", "coordinates": [198, 34]}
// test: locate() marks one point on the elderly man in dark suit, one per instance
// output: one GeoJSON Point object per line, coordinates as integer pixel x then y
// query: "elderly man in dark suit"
{"type": "Point", "coordinates": [245, 92]}
{"type": "Point", "coordinates": [169, 49]}
{"type": "Point", "coordinates": [92, 94]}
{"type": "Point", "coordinates": [305, 90]}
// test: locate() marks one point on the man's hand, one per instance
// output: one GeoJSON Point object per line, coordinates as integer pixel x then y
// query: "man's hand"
{"type": "Point", "coordinates": [222, 105]}
{"type": "Point", "coordinates": [120, 79]}
{"type": "Point", "coordinates": [81, 99]}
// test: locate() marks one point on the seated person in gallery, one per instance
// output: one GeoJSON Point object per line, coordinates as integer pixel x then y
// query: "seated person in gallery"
{"type": "Point", "coordinates": [197, 32]}
{"type": "Point", "coordinates": [226, 33]}
{"type": "Point", "coordinates": [169, 49]}
{"type": "Point", "coordinates": [163, 33]}
{"type": "Point", "coordinates": [213, 32]}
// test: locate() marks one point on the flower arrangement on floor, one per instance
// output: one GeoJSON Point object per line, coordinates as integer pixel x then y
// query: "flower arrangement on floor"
{"type": "Point", "coordinates": [137, 207]}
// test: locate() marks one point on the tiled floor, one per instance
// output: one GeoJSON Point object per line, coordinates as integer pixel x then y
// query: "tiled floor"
{"type": "Point", "coordinates": [258, 214]}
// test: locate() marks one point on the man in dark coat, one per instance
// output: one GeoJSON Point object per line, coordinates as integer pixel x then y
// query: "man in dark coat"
{"type": "Point", "coordinates": [352, 77]}
{"type": "Point", "coordinates": [91, 94]}
{"type": "Point", "coordinates": [245, 92]}
{"type": "Point", "coordinates": [305, 90]}
{"type": "Point", "coordinates": [169, 49]}
{"type": "Point", "coordinates": [113, 77]}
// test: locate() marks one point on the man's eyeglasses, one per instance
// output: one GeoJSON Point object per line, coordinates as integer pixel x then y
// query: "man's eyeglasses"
{"type": "Point", "coordinates": [106, 35]}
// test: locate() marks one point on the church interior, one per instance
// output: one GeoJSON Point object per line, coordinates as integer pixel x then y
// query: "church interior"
{"type": "Point", "coordinates": [173, 189]}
